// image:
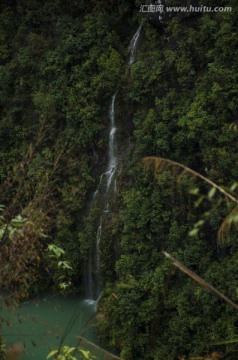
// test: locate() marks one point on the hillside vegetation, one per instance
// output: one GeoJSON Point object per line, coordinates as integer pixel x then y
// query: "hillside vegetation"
{"type": "Point", "coordinates": [60, 64]}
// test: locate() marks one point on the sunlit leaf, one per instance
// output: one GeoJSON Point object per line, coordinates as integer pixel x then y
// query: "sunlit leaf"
{"type": "Point", "coordinates": [233, 186]}
{"type": "Point", "coordinates": [86, 354]}
{"type": "Point", "coordinates": [52, 353]}
{"type": "Point", "coordinates": [65, 265]}
{"type": "Point", "coordinates": [199, 201]}
{"type": "Point", "coordinates": [193, 232]}
{"type": "Point", "coordinates": [211, 193]}
{"type": "Point", "coordinates": [199, 223]}
{"type": "Point", "coordinates": [194, 191]}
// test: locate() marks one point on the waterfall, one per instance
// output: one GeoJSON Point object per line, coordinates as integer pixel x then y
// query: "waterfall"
{"type": "Point", "coordinates": [107, 185]}
{"type": "Point", "coordinates": [108, 181]}
{"type": "Point", "coordinates": [132, 46]}
{"type": "Point", "coordinates": [112, 160]}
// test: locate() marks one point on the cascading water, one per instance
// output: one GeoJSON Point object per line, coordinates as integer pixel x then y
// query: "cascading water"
{"type": "Point", "coordinates": [109, 177]}
{"type": "Point", "coordinates": [112, 160]}
{"type": "Point", "coordinates": [132, 46]}
{"type": "Point", "coordinates": [107, 184]}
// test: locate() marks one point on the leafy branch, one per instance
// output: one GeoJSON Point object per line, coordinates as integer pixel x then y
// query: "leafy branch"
{"type": "Point", "coordinates": [199, 280]}
{"type": "Point", "coordinates": [160, 165]}
{"type": "Point", "coordinates": [55, 252]}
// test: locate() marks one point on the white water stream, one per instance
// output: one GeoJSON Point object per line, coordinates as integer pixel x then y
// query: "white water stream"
{"type": "Point", "coordinates": [132, 46]}
{"type": "Point", "coordinates": [112, 159]}
{"type": "Point", "coordinates": [94, 287]}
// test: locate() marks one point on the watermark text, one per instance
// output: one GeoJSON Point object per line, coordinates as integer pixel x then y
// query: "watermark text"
{"type": "Point", "coordinates": [160, 8]}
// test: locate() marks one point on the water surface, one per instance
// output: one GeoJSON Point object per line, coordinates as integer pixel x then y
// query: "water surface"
{"type": "Point", "coordinates": [42, 323]}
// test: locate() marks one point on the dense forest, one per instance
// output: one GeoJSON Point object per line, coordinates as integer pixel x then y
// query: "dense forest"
{"type": "Point", "coordinates": [61, 62]}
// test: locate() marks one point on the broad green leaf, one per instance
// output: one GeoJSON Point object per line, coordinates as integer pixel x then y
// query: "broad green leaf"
{"type": "Point", "coordinates": [211, 193]}
{"type": "Point", "coordinates": [199, 223]}
{"type": "Point", "coordinates": [233, 186]}
{"type": "Point", "coordinates": [52, 353]}
{"type": "Point", "coordinates": [86, 354]}
{"type": "Point", "coordinates": [56, 250]}
{"type": "Point", "coordinates": [68, 349]}
{"type": "Point", "coordinates": [193, 232]}
{"type": "Point", "coordinates": [18, 219]}
{"type": "Point", "coordinates": [65, 265]}
{"type": "Point", "coordinates": [194, 191]}
{"type": "Point", "coordinates": [64, 285]}
{"type": "Point", "coordinates": [199, 201]}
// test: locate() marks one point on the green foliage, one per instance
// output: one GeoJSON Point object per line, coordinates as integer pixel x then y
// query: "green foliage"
{"type": "Point", "coordinates": [22, 254]}
{"type": "Point", "coordinates": [182, 92]}
{"type": "Point", "coordinates": [60, 64]}
{"type": "Point", "coordinates": [61, 268]}
{"type": "Point", "coordinates": [55, 250]}
{"type": "Point", "coordinates": [67, 353]}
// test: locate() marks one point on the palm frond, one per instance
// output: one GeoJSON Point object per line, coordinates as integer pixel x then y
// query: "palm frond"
{"type": "Point", "coordinates": [229, 225]}
{"type": "Point", "coordinates": [96, 349]}
{"type": "Point", "coordinates": [199, 280]}
{"type": "Point", "coordinates": [160, 164]}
